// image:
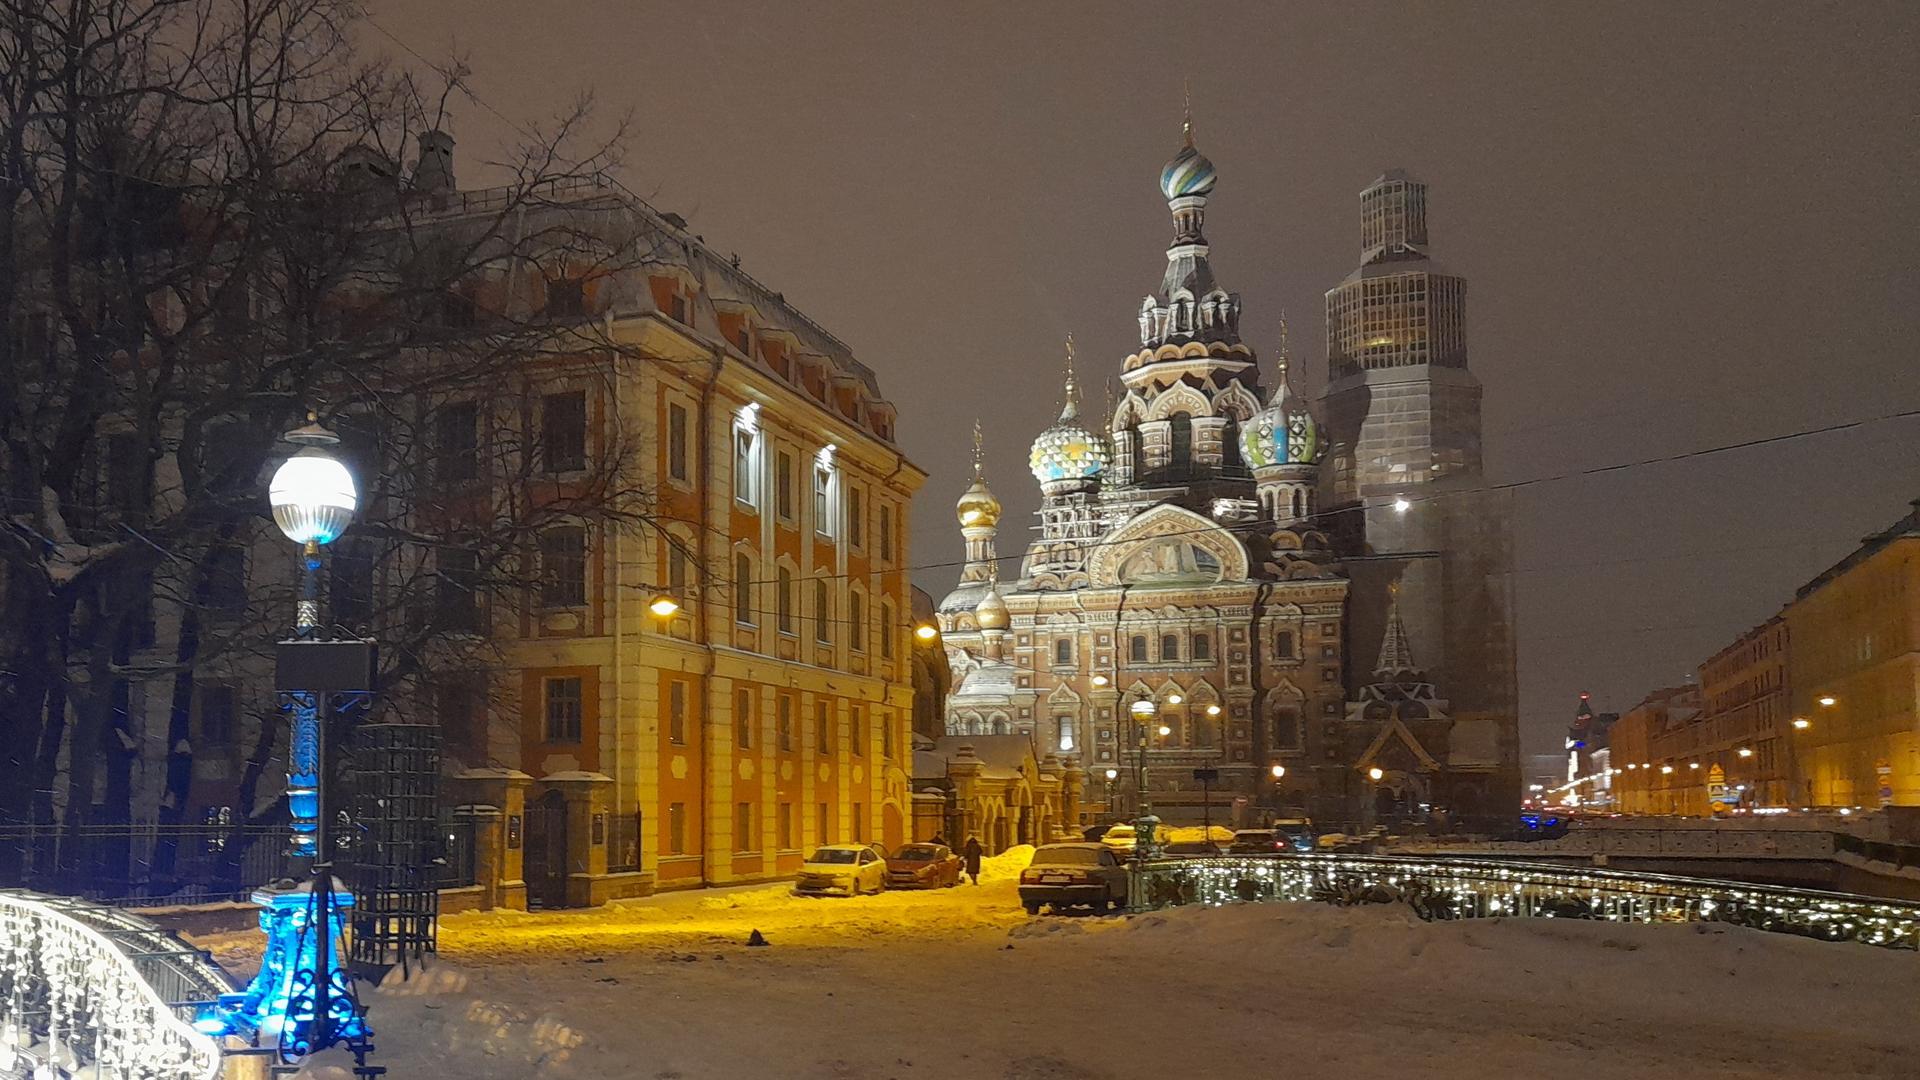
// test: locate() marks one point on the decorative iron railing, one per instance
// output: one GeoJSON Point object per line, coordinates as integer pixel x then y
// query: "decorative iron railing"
{"type": "Point", "coordinates": [1461, 888]}
{"type": "Point", "coordinates": [83, 986]}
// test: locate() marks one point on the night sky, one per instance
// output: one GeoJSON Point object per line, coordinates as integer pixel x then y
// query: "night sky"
{"type": "Point", "coordinates": [1680, 229]}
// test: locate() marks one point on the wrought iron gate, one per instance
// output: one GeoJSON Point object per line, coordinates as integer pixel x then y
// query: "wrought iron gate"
{"type": "Point", "coordinates": [546, 861]}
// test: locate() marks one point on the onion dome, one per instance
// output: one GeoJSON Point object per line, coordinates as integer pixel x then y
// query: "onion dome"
{"type": "Point", "coordinates": [991, 612]}
{"type": "Point", "coordinates": [1283, 433]}
{"type": "Point", "coordinates": [1189, 173]}
{"type": "Point", "coordinates": [977, 507]}
{"type": "Point", "coordinates": [1067, 455]}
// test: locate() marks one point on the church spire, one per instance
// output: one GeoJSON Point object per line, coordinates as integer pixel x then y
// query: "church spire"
{"type": "Point", "coordinates": [979, 452]}
{"type": "Point", "coordinates": [1071, 409]}
{"type": "Point", "coordinates": [1286, 355]}
{"type": "Point", "coordinates": [1186, 110]}
{"type": "Point", "coordinates": [1396, 652]}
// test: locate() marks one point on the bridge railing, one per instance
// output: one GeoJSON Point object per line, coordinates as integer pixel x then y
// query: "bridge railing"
{"type": "Point", "coordinates": [87, 986]}
{"type": "Point", "coordinates": [1452, 887]}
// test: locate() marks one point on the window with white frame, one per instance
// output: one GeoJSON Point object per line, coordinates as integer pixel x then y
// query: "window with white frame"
{"type": "Point", "coordinates": [746, 457]}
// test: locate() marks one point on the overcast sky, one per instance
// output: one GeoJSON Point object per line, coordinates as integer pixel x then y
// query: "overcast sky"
{"type": "Point", "coordinates": [1680, 229]}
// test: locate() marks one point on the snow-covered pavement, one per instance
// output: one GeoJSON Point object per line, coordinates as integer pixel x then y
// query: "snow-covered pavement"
{"type": "Point", "coordinates": [960, 983]}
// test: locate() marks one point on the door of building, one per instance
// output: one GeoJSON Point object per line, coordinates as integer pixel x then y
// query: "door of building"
{"type": "Point", "coordinates": [546, 859]}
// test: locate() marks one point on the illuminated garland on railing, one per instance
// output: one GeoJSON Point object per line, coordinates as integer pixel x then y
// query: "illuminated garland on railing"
{"type": "Point", "coordinates": [1469, 888]}
{"type": "Point", "coordinates": [78, 989]}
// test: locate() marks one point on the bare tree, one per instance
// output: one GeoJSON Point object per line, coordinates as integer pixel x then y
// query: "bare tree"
{"type": "Point", "coordinates": [209, 231]}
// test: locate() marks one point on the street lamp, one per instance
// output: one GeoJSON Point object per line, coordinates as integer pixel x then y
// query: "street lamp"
{"type": "Point", "coordinates": [1801, 723]}
{"type": "Point", "coordinates": [664, 607]}
{"type": "Point", "coordinates": [926, 632]}
{"type": "Point", "coordinates": [1375, 774]}
{"type": "Point", "coordinates": [1828, 701]}
{"type": "Point", "coordinates": [1144, 824]}
{"type": "Point", "coordinates": [303, 998]}
{"type": "Point", "coordinates": [1278, 770]}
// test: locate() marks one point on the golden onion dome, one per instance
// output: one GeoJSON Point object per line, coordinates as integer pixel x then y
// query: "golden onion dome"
{"type": "Point", "coordinates": [991, 612]}
{"type": "Point", "coordinates": [978, 507]}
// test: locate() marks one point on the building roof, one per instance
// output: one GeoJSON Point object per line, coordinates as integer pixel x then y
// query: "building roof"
{"type": "Point", "coordinates": [1908, 526]}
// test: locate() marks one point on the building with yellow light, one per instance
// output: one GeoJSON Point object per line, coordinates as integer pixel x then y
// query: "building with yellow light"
{"type": "Point", "coordinates": [1854, 675]}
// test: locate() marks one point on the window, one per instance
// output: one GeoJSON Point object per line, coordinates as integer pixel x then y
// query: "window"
{"type": "Point", "coordinates": [461, 702]}
{"type": "Point", "coordinates": [677, 307]}
{"type": "Point", "coordinates": [784, 602]}
{"type": "Point", "coordinates": [1063, 652]}
{"type": "Point", "coordinates": [1286, 730]}
{"type": "Point", "coordinates": [823, 499]}
{"type": "Point", "coordinates": [886, 630]}
{"type": "Point", "coordinates": [743, 588]}
{"type": "Point", "coordinates": [857, 730]}
{"type": "Point", "coordinates": [822, 611]}
{"type": "Point", "coordinates": [563, 566]}
{"type": "Point", "coordinates": [1180, 435]}
{"type": "Point", "coordinates": [1137, 649]}
{"type": "Point", "coordinates": [886, 533]}
{"type": "Point", "coordinates": [227, 577]}
{"type": "Point", "coordinates": [859, 823]}
{"type": "Point", "coordinates": [677, 828]}
{"type": "Point", "coordinates": [1169, 647]}
{"type": "Point", "coordinates": [677, 441]}
{"type": "Point", "coordinates": [856, 622]}
{"type": "Point", "coordinates": [744, 442]}
{"type": "Point", "coordinates": [886, 737]}
{"type": "Point", "coordinates": [217, 726]}
{"type": "Point", "coordinates": [743, 718]}
{"type": "Point", "coordinates": [856, 524]}
{"type": "Point", "coordinates": [677, 713]}
{"type": "Point", "coordinates": [1283, 645]}
{"type": "Point", "coordinates": [1202, 647]}
{"type": "Point", "coordinates": [456, 443]}
{"type": "Point", "coordinates": [783, 485]}
{"type": "Point", "coordinates": [676, 569]}
{"type": "Point", "coordinates": [563, 431]}
{"type": "Point", "coordinates": [745, 836]}
{"type": "Point", "coordinates": [786, 827]}
{"type": "Point", "coordinates": [567, 296]}
{"type": "Point", "coordinates": [822, 825]}
{"type": "Point", "coordinates": [783, 723]}
{"type": "Point", "coordinates": [564, 710]}
{"type": "Point", "coordinates": [455, 590]}
{"type": "Point", "coordinates": [822, 726]}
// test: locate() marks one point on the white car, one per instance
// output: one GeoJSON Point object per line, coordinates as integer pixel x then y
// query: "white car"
{"type": "Point", "coordinates": [851, 869]}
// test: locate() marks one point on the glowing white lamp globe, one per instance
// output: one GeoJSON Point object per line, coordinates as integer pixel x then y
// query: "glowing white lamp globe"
{"type": "Point", "coordinates": [312, 493]}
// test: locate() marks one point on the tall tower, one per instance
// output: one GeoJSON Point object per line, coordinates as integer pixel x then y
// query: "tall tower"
{"type": "Point", "coordinates": [1401, 407]}
{"type": "Point", "coordinates": [979, 514]}
{"type": "Point", "coordinates": [1282, 444]}
{"type": "Point", "coordinates": [1193, 382]}
{"type": "Point", "coordinates": [1069, 461]}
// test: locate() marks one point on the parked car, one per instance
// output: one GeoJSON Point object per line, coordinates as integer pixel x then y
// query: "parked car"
{"type": "Point", "coordinates": [842, 868]}
{"type": "Point", "coordinates": [1297, 831]}
{"type": "Point", "coordinates": [1120, 839]}
{"type": "Point", "coordinates": [923, 866]}
{"type": "Point", "coordinates": [1192, 849]}
{"type": "Point", "coordinates": [1259, 842]}
{"type": "Point", "coordinates": [1069, 875]}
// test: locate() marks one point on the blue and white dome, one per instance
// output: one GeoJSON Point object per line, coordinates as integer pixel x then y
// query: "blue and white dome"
{"type": "Point", "coordinates": [1189, 173]}
{"type": "Point", "coordinates": [1283, 433]}
{"type": "Point", "coordinates": [1067, 452]}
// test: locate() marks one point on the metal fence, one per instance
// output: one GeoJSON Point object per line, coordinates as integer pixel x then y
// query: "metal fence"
{"type": "Point", "coordinates": [1456, 888]}
{"type": "Point", "coordinates": [152, 865]}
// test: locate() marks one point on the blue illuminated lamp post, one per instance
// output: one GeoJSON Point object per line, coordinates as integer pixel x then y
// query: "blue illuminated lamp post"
{"type": "Point", "coordinates": [302, 1000]}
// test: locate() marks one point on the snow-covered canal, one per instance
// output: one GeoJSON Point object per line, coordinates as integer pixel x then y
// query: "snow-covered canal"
{"type": "Point", "coordinates": [960, 983]}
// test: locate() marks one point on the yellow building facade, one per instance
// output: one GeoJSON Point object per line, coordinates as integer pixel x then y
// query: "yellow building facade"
{"type": "Point", "coordinates": [768, 712]}
{"type": "Point", "coordinates": [1855, 675]}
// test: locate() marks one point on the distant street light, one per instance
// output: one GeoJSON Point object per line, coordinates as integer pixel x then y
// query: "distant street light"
{"type": "Point", "coordinates": [1213, 710]}
{"type": "Point", "coordinates": [1100, 680]}
{"type": "Point", "coordinates": [1827, 701]}
{"type": "Point", "coordinates": [1745, 751]}
{"type": "Point", "coordinates": [926, 632]}
{"type": "Point", "coordinates": [1801, 723]}
{"type": "Point", "coordinates": [1375, 773]}
{"type": "Point", "coordinates": [1165, 731]}
{"type": "Point", "coordinates": [664, 606]}
{"type": "Point", "coordinates": [1401, 505]}
{"type": "Point", "coordinates": [1279, 770]}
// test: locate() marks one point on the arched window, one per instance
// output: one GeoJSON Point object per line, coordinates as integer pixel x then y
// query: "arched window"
{"type": "Point", "coordinates": [1286, 730]}
{"type": "Point", "coordinates": [1202, 647]}
{"type": "Point", "coordinates": [1169, 648]}
{"type": "Point", "coordinates": [1137, 649]}
{"type": "Point", "coordinates": [1230, 450]}
{"type": "Point", "coordinates": [1202, 729]}
{"type": "Point", "coordinates": [1283, 645]}
{"type": "Point", "coordinates": [999, 725]}
{"type": "Point", "coordinates": [1299, 504]}
{"type": "Point", "coordinates": [1063, 651]}
{"type": "Point", "coordinates": [783, 605]}
{"type": "Point", "coordinates": [743, 588]}
{"type": "Point", "coordinates": [1180, 439]}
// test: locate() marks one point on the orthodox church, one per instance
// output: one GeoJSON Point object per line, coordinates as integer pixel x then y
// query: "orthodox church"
{"type": "Point", "coordinates": [1178, 624]}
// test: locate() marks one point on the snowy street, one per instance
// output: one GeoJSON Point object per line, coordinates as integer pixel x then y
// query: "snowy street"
{"type": "Point", "coordinates": [960, 983]}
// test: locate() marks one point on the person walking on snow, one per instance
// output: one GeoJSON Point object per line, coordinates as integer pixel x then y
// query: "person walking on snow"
{"type": "Point", "coordinates": [973, 852]}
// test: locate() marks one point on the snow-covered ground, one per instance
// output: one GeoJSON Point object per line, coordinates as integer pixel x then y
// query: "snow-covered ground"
{"type": "Point", "coordinates": [960, 983]}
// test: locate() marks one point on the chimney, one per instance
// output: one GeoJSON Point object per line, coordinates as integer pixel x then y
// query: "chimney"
{"type": "Point", "coordinates": [434, 170]}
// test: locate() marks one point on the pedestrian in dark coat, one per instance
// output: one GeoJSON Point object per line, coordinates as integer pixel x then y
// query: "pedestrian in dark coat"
{"type": "Point", "coordinates": [973, 852]}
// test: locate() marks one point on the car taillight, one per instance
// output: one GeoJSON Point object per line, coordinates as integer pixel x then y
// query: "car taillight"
{"type": "Point", "coordinates": [1029, 875]}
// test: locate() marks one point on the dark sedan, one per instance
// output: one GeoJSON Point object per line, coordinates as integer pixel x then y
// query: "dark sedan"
{"type": "Point", "coordinates": [923, 866]}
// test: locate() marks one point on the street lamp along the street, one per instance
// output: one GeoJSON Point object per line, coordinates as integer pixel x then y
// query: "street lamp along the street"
{"type": "Point", "coordinates": [664, 606]}
{"type": "Point", "coordinates": [926, 632]}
